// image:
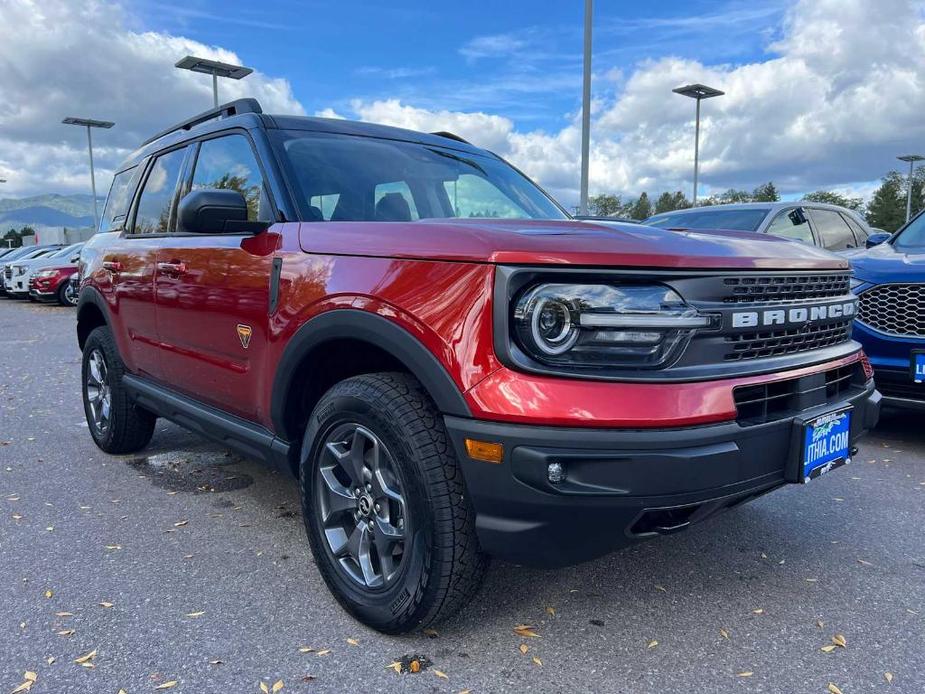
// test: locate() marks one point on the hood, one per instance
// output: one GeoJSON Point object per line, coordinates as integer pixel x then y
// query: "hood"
{"type": "Point", "coordinates": [883, 263]}
{"type": "Point", "coordinates": [567, 242]}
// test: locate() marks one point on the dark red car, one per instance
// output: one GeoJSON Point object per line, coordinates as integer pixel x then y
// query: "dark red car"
{"type": "Point", "coordinates": [448, 364]}
{"type": "Point", "coordinates": [54, 284]}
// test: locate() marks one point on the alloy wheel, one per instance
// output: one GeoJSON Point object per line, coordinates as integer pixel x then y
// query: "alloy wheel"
{"type": "Point", "coordinates": [99, 392]}
{"type": "Point", "coordinates": [360, 506]}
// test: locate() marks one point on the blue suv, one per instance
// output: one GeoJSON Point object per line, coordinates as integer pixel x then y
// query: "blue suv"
{"type": "Point", "coordinates": [889, 279]}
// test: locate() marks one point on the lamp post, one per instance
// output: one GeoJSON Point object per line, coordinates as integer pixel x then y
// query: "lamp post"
{"type": "Point", "coordinates": [89, 123]}
{"type": "Point", "coordinates": [586, 111]}
{"type": "Point", "coordinates": [911, 158]}
{"type": "Point", "coordinates": [698, 92]}
{"type": "Point", "coordinates": [216, 69]}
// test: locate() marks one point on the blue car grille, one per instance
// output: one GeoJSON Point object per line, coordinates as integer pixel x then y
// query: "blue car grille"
{"type": "Point", "coordinates": [894, 309]}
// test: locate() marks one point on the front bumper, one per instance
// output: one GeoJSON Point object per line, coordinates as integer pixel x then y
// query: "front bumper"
{"type": "Point", "coordinates": [622, 485]}
{"type": "Point", "coordinates": [43, 296]}
{"type": "Point", "coordinates": [891, 357]}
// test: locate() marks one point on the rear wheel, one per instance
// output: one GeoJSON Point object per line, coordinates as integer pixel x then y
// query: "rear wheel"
{"type": "Point", "coordinates": [116, 424]}
{"type": "Point", "coordinates": [389, 523]}
{"type": "Point", "coordinates": [67, 295]}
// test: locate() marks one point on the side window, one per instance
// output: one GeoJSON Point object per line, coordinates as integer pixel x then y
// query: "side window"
{"type": "Point", "coordinates": [155, 207]}
{"type": "Point", "coordinates": [860, 233]}
{"type": "Point", "coordinates": [835, 233]}
{"type": "Point", "coordinates": [792, 225]}
{"type": "Point", "coordinates": [323, 206]}
{"type": "Point", "coordinates": [228, 162]}
{"type": "Point", "coordinates": [394, 202]}
{"type": "Point", "coordinates": [118, 200]}
{"type": "Point", "coordinates": [473, 196]}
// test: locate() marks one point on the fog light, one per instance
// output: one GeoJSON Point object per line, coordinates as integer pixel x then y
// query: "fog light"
{"type": "Point", "coordinates": [555, 473]}
{"type": "Point", "coordinates": [485, 451]}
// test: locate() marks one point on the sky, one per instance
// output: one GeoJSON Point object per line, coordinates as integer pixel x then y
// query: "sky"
{"type": "Point", "coordinates": [820, 94]}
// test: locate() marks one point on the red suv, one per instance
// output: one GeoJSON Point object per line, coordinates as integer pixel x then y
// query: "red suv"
{"type": "Point", "coordinates": [450, 366]}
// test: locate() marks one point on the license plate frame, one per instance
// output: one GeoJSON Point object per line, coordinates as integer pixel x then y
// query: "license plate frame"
{"type": "Point", "coordinates": [916, 356]}
{"type": "Point", "coordinates": [801, 470]}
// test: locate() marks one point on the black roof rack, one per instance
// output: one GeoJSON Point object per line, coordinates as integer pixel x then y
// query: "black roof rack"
{"type": "Point", "coordinates": [232, 108]}
{"type": "Point", "coordinates": [451, 136]}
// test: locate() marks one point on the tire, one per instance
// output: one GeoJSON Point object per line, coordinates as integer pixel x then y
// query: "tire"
{"type": "Point", "coordinates": [116, 424]}
{"type": "Point", "coordinates": [66, 295]}
{"type": "Point", "coordinates": [437, 566]}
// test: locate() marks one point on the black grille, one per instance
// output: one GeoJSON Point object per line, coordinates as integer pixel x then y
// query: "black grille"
{"type": "Point", "coordinates": [895, 309]}
{"type": "Point", "coordinates": [898, 384]}
{"type": "Point", "coordinates": [775, 343]}
{"type": "Point", "coordinates": [767, 402]}
{"type": "Point", "coordinates": [781, 288]}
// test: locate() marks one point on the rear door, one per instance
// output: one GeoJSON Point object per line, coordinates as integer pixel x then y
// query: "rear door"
{"type": "Point", "coordinates": [213, 289]}
{"type": "Point", "coordinates": [792, 224]}
{"type": "Point", "coordinates": [130, 261]}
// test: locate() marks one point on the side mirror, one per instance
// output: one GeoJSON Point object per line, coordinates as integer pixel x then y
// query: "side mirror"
{"type": "Point", "coordinates": [74, 258]}
{"type": "Point", "coordinates": [215, 211]}
{"type": "Point", "coordinates": [877, 238]}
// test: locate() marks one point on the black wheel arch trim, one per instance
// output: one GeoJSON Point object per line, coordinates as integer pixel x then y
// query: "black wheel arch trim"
{"type": "Point", "coordinates": [379, 332]}
{"type": "Point", "coordinates": [90, 296]}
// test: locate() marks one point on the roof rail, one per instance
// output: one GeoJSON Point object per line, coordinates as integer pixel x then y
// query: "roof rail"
{"type": "Point", "coordinates": [232, 108]}
{"type": "Point", "coordinates": [451, 136]}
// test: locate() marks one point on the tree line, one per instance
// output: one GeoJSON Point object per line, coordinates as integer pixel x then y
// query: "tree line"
{"type": "Point", "coordinates": [885, 210]}
{"type": "Point", "coordinates": [13, 238]}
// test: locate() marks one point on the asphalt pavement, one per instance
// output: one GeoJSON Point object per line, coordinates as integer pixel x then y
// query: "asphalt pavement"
{"type": "Point", "coordinates": [189, 564]}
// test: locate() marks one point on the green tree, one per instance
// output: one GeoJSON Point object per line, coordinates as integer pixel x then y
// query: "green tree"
{"type": "Point", "coordinates": [831, 198]}
{"type": "Point", "coordinates": [605, 205]}
{"type": "Point", "coordinates": [887, 207]}
{"type": "Point", "coordinates": [671, 201]}
{"type": "Point", "coordinates": [766, 192]}
{"type": "Point", "coordinates": [640, 208]}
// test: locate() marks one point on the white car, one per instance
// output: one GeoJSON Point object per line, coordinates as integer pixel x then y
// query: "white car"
{"type": "Point", "coordinates": [17, 274]}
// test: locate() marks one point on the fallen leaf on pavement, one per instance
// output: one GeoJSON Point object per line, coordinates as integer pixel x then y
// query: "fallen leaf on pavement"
{"type": "Point", "coordinates": [30, 676]}
{"type": "Point", "coordinates": [353, 642]}
{"type": "Point", "coordinates": [829, 648]}
{"type": "Point", "coordinates": [551, 611]}
{"type": "Point", "coordinates": [834, 689]}
{"type": "Point", "coordinates": [724, 633]}
{"type": "Point", "coordinates": [277, 685]}
{"type": "Point", "coordinates": [526, 631]}
{"type": "Point", "coordinates": [524, 648]}
{"type": "Point", "coordinates": [431, 633]}
{"type": "Point", "coordinates": [758, 611]}
{"type": "Point", "coordinates": [48, 594]}
{"type": "Point", "coordinates": [180, 524]}
{"type": "Point", "coordinates": [746, 673]}
{"type": "Point", "coordinates": [306, 649]}
{"type": "Point", "coordinates": [105, 604]}
{"type": "Point", "coordinates": [196, 614]}
{"type": "Point", "coordinates": [443, 675]}
{"type": "Point", "coordinates": [64, 614]}
{"type": "Point", "coordinates": [537, 661]}
{"type": "Point", "coordinates": [65, 632]}
{"type": "Point", "coordinates": [839, 640]}
{"type": "Point", "coordinates": [394, 666]}
{"type": "Point", "coordinates": [86, 657]}
{"type": "Point", "coordinates": [324, 652]}
{"type": "Point", "coordinates": [265, 688]}
{"type": "Point", "coordinates": [888, 676]}
{"type": "Point", "coordinates": [167, 685]}
{"type": "Point", "coordinates": [652, 644]}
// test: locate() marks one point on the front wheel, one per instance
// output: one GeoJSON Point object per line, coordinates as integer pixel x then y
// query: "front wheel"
{"type": "Point", "coordinates": [67, 294]}
{"type": "Point", "coordinates": [384, 503]}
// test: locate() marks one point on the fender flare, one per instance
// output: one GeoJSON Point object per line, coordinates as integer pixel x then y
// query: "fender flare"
{"type": "Point", "coordinates": [90, 295]}
{"type": "Point", "coordinates": [380, 332]}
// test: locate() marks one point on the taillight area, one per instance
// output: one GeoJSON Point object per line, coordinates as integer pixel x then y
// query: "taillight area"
{"type": "Point", "coordinates": [868, 368]}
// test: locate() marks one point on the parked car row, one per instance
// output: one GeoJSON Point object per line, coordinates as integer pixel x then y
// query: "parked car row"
{"type": "Point", "coordinates": [40, 273]}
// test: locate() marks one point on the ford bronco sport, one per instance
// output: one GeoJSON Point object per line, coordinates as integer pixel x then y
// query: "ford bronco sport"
{"type": "Point", "coordinates": [449, 365]}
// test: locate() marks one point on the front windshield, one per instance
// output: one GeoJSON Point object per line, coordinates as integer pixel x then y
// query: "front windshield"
{"type": "Point", "coordinates": [712, 218]}
{"type": "Point", "coordinates": [912, 238]}
{"type": "Point", "coordinates": [348, 178]}
{"type": "Point", "coordinates": [64, 251]}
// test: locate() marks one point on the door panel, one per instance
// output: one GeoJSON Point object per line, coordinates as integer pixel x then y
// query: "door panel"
{"type": "Point", "coordinates": [213, 294]}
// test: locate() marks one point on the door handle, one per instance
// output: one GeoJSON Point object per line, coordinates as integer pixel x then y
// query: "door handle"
{"type": "Point", "coordinates": [175, 268]}
{"type": "Point", "coordinates": [112, 265]}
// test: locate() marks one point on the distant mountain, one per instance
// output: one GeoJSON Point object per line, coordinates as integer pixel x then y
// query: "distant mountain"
{"type": "Point", "coordinates": [49, 210]}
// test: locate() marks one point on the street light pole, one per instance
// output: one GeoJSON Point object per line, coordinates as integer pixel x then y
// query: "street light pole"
{"type": "Point", "coordinates": [586, 110]}
{"type": "Point", "coordinates": [89, 123]}
{"type": "Point", "coordinates": [911, 158]}
{"type": "Point", "coordinates": [699, 92]}
{"type": "Point", "coordinates": [216, 69]}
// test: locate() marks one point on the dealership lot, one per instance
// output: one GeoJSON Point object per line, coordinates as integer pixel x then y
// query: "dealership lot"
{"type": "Point", "coordinates": [187, 563]}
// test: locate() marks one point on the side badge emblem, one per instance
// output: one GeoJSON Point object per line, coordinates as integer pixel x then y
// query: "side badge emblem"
{"type": "Point", "coordinates": [244, 333]}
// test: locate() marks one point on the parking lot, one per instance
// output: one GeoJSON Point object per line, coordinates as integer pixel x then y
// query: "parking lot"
{"type": "Point", "coordinates": [188, 564]}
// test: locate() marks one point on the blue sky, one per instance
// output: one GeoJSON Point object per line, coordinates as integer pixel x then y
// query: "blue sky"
{"type": "Point", "coordinates": [820, 94]}
{"type": "Point", "coordinates": [521, 59]}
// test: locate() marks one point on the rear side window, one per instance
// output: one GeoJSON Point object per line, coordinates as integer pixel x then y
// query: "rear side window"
{"type": "Point", "coordinates": [229, 163]}
{"type": "Point", "coordinates": [835, 233]}
{"type": "Point", "coordinates": [860, 233]}
{"type": "Point", "coordinates": [791, 224]}
{"type": "Point", "coordinates": [156, 205]}
{"type": "Point", "coordinates": [118, 200]}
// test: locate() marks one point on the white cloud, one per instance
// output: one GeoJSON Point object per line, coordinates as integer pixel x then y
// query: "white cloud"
{"type": "Point", "coordinates": [837, 97]}
{"type": "Point", "coordinates": [60, 58]}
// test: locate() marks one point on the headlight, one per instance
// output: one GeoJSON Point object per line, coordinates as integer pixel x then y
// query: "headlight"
{"type": "Point", "coordinates": [855, 283]}
{"type": "Point", "coordinates": [600, 325]}
{"type": "Point", "coordinates": [45, 273]}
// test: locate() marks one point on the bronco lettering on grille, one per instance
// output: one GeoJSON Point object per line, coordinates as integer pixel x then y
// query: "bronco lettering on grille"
{"type": "Point", "coordinates": [792, 316]}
